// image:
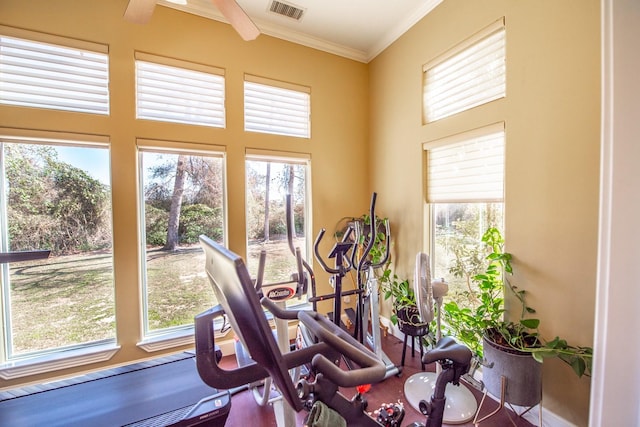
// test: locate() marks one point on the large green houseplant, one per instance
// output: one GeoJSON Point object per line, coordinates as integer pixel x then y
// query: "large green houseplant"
{"type": "Point", "coordinates": [471, 325]}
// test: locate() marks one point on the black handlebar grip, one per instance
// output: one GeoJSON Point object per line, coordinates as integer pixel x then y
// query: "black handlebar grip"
{"type": "Point", "coordinates": [316, 250]}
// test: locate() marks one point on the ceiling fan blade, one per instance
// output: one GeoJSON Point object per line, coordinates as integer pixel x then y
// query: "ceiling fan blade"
{"type": "Point", "coordinates": [238, 19]}
{"type": "Point", "coordinates": [139, 11]}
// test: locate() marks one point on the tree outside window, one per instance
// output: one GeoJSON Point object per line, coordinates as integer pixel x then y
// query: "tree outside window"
{"type": "Point", "coordinates": [183, 198]}
{"type": "Point", "coordinates": [268, 182]}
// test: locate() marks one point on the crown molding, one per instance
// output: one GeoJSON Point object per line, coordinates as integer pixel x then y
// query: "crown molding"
{"type": "Point", "coordinates": [276, 31]}
{"type": "Point", "coordinates": [315, 42]}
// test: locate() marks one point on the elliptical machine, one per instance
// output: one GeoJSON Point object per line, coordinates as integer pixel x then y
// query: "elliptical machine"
{"type": "Point", "coordinates": [368, 308]}
{"type": "Point", "coordinates": [340, 254]}
{"type": "Point", "coordinates": [355, 255]}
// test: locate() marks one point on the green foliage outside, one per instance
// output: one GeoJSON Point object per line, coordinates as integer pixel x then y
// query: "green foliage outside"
{"type": "Point", "coordinates": [200, 219]}
{"type": "Point", "coordinates": [202, 198]}
{"type": "Point", "coordinates": [459, 252]}
{"type": "Point", "coordinates": [156, 225]}
{"type": "Point", "coordinates": [194, 220]}
{"type": "Point", "coordinates": [54, 205]}
{"type": "Point", "coordinates": [283, 179]}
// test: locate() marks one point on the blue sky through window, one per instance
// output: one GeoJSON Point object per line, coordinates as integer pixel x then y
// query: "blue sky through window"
{"type": "Point", "coordinates": [94, 161]}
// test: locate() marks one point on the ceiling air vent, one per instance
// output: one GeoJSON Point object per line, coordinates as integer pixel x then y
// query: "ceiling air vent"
{"type": "Point", "coordinates": [286, 9]}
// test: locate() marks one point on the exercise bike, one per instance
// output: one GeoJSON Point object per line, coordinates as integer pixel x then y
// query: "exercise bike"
{"type": "Point", "coordinates": [235, 291]}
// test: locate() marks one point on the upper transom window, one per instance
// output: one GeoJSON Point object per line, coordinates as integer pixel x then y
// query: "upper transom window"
{"type": "Point", "coordinates": [181, 92]}
{"type": "Point", "coordinates": [55, 76]}
{"type": "Point", "coordinates": [276, 107]}
{"type": "Point", "coordinates": [471, 74]}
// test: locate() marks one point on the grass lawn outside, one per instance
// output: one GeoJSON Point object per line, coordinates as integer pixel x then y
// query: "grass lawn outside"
{"type": "Point", "coordinates": [69, 300]}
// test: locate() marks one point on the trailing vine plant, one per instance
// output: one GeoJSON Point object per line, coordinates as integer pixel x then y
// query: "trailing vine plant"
{"type": "Point", "coordinates": [470, 325]}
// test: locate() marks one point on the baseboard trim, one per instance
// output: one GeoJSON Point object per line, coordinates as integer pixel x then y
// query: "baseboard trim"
{"type": "Point", "coordinates": [549, 418]}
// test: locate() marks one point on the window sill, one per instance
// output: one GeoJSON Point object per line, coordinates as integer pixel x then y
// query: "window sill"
{"type": "Point", "coordinates": [167, 340]}
{"type": "Point", "coordinates": [57, 361]}
{"type": "Point", "coordinates": [172, 339]}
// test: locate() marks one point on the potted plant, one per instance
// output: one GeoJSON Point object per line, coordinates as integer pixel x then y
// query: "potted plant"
{"type": "Point", "coordinates": [405, 309]}
{"type": "Point", "coordinates": [490, 336]}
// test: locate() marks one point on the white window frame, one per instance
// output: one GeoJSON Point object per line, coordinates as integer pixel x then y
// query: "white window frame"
{"type": "Point", "coordinates": [67, 357]}
{"type": "Point", "coordinates": [167, 338]}
{"type": "Point", "coordinates": [468, 75]}
{"type": "Point", "coordinates": [295, 158]}
{"type": "Point", "coordinates": [43, 71]}
{"type": "Point", "coordinates": [276, 107]}
{"type": "Point", "coordinates": [171, 90]}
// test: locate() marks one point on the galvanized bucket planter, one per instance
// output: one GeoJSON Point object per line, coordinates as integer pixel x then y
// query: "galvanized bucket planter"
{"type": "Point", "coordinates": [514, 377]}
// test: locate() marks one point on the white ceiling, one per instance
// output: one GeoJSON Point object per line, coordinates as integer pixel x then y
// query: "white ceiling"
{"type": "Point", "coordinates": [356, 29]}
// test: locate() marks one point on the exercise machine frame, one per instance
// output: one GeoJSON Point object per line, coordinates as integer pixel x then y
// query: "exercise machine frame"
{"type": "Point", "coordinates": [235, 292]}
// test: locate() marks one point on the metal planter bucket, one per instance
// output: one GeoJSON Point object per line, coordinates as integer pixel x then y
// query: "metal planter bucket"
{"type": "Point", "coordinates": [522, 374]}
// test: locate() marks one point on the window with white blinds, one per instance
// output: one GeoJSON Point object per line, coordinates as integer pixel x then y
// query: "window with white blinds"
{"type": "Point", "coordinates": [180, 94]}
{"type": "Point", "coordinates": [44, 75]}
{"type": "Point", "coordinates": [467, 168]}
{"type": "Point", "coordinates": [278, 108]}
{"type": "Point", "coordinates": [471, 74]}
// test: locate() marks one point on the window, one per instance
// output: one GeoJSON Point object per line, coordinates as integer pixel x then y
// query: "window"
{"type": "Point", "coordinates": [183, 196]}
{"type": "Point", "coordinates": [269, 179]}
{"type": "Point", "coordinates": [471, 74]}
{"type": "Point", "coordinates": [276, 108]}
{"type": "Point", "coordinates": [465, 187]}
{"type": "Point", "coordinates": [181, 92]}
{"type": "Point", "coordinates": [44, 75]}
{"type": "Point", "coordinates": [56, 197]}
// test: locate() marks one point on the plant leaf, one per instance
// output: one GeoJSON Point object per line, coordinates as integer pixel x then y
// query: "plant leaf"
{"type": "Point", "coordinates": [538, 357]}
{"type": "Point", "coordinates": [530, 323]}
{"type": "Point", "coordinates": [578, 366]}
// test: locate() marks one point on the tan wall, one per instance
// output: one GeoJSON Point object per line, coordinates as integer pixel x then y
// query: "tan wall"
{"type": "Point", "coordinates": [339, 100]}
{"type": "Point", "coordinates": [551, 113]}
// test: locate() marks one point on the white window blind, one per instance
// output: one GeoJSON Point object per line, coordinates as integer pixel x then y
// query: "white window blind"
{"type": "Point", "coordinates": [467, 168]}
{"type": "Point", "coordinates": [179, 95]}
{"type": "Point", "coordinates": [276, 110]}
{"type": "Point", "coordinates": [43, 75]}
{"type": "Point", "coordinates": [471, 74]}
